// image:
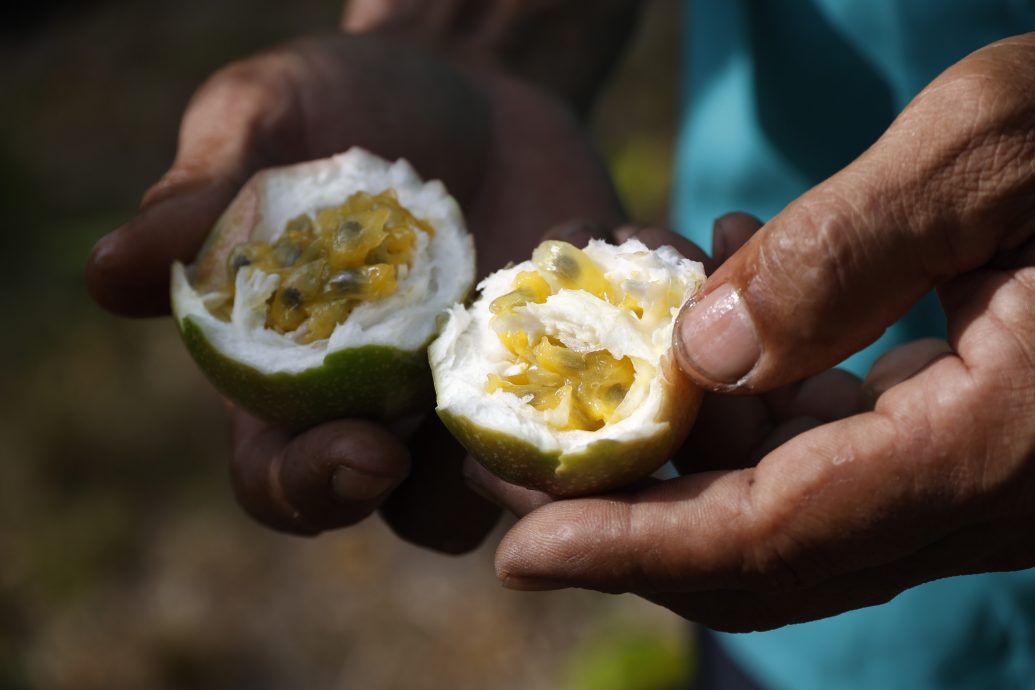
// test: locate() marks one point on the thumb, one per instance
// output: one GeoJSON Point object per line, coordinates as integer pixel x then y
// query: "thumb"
{"type": "Point", "coordinates": [231, 119]}
{"type": "Point", "coordinates": [944, 189]}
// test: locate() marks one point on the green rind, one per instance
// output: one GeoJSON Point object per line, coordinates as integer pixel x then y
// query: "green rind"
{"type": "Point", "coordinates": [602, 466]}
{"type": "Point", "coordinates": [373, 381]}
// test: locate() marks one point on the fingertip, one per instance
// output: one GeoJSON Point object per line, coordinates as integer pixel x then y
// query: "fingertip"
{"type": "Point", "coordinates": [354, 462]}
{"type": "Point", "coordinates": [716, 341]}
{"type": "Point", "coordinates": [127, 271]}
{"type": "Point", "coordinates": [830, 395]}
{"type": "Point", "coordinates": [516, 499]}
{"type": "Point", "coordinates": [730, 232]}
{"type": "Point", "coordinates": [330, 476]}
{"type": "Point", "coordinates": [902, 363]}
{"type": "Point", "coordinates": [102, 270]}
{"type": "Point", "coordinates": [539, 545]}
{"type": "Point", "coordinates": [115, 282]}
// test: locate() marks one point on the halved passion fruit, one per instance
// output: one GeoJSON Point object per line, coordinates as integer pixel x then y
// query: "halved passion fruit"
{"type": "Point", "coordinates": [560, 377]}
{"type": "Point", "coordinates": [320, 287]}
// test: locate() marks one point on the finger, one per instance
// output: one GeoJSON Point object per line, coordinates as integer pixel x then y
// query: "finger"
{"type": "Point", "coordinates": [725, 434]}
{"type": "Point", "coordinates": [781, 434]}
{"type": "Point", "coordinates": [901, 363]}
{"type": "Point", "coordinates": [986, 547]}
{"type": "Point", "coordinates": [827, 275]}
{"type": "Point", "coordinates": [835, 499]}
{"type": "Point", "coordinates": [517, 499]}
{"type": "Point", "coordinates": [730, 232]}
{"type": "Point", "coordinates": [294, 104]}
{"type": "Point", "coordinates": [578, 232]}
{"type": "Point", "coordinates": [229, 130]}
{"type": "Point", "coordinates": [828, 396]}
{"type": "Point", "coordinates": [330, 476]}
{"type": "Point", "coordinates": [655, 237]}
{"type": "Point", "coordinates": [433, 507]}
{"type": "Point", "coordinates": [732, 431]}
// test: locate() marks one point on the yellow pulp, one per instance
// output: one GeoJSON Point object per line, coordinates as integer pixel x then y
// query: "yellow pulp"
{"type": "Point", "coordinates": [584, 389]}
{"type": "Point", "coordinates": [327, 265]}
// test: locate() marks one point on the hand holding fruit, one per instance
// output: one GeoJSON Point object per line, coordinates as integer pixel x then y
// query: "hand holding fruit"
{"type": "Point", "coordinates": [934, 477]}
{"type": "Point", "coordinates": [502, 147]}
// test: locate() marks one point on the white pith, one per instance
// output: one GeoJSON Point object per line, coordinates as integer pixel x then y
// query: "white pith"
{"type": "Point", "coordinates": [468, 349]}
{"type": "Point", "coordinates": [441, 272]}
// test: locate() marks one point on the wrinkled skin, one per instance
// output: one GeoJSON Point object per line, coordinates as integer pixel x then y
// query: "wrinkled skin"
{"type": "Point", "coordinates": [825, 496]}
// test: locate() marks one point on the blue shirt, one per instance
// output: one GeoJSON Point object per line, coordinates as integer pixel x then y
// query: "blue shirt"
{"type": "Point", "coordinates": [780, 94]}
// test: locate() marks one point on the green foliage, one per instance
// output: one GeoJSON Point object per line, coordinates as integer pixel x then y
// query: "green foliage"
{"type": "Point", "coordinates": [630, 660]}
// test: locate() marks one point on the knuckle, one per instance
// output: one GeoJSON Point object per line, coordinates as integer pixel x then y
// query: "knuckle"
{"type": "Point", "coordinates": [253, 103]}
{"type": "Point", "coordinates": [809, 265]}
{"type": "Point", "coordinates": [773, 562]}
{"type": "Point", "coordinates": [774, 557]}
{"type": "Point", "coordinates": [256, 83]}
{"type": "Point", "coordinates": [255, 481]}
{"type": "Point", "coordinates": [977, 121]}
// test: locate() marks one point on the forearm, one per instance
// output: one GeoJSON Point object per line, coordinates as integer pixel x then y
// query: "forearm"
{"type": "Point", "coordinates": [568, 47]}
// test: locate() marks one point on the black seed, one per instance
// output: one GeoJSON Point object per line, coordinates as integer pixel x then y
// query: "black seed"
{"type": "Point", "coordinates": [377, 255]}
{"type": "Point", "coordinates": [566, 266]}
{"type": "Point", "coordinates": [299, 224]}
{"type": "Point", "coordinates": [287, 254]}
{"type": "Point", "coordinates": [291, 297]}
{"type": "Point", "coordinates": [311, 253]}
{"type": "Point", "coordinates": [344, 282]}
{"type": "Point", "coordinates": [238, 260]}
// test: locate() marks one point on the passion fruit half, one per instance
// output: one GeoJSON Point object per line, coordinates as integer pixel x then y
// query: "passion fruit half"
{"type": "Point", "coordinates": [319, 288]}
{"type": "Point", "coordinates": [560, 377]}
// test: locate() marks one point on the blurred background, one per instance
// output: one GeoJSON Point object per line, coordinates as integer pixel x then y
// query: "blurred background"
{"type": "Point", "coordinates": [124, 562]}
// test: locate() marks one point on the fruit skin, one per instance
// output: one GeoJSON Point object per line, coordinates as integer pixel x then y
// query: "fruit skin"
{"type": "Point", "coordinates": [602, 466]}
{"type": "Point", "coordinates": [373, 381]}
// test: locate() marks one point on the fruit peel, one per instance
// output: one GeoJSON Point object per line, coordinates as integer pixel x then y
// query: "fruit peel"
{"type": "Point", "coordinates": [368, 381]}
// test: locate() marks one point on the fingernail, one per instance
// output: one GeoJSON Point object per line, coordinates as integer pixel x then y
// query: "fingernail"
{"type": "Point", "coordinates": [530, 584]}
{"type": "Point", "coordinates": [717, 337]}
{"type": "Point", "coordinates": [351, 486]}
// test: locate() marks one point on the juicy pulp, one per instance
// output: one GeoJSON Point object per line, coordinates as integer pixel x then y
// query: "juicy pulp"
{"type": "Point", "coordinates": [560, 376]}
{"type": "Point", "coordinates": [584, 389]}
{"type": "Point", "coordinates": [346, 255]}
{"type": "Point", "coordinates": [374, 362]}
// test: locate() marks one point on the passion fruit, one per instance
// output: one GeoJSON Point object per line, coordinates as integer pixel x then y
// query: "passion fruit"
{"type": "Point", "coordinates": [560, 377]}
{"type": "Point", "coordinates": [319, 288]}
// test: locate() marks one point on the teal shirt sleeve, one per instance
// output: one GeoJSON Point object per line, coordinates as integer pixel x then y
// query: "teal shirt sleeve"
{"type": "Point", "coordinates": [780, 94]}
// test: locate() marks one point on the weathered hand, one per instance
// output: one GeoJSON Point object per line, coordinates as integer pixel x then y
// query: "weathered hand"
{"type": "Point", "coordinates": [515, 158]}
{"type": "Point", "coordinates": [937, 478]}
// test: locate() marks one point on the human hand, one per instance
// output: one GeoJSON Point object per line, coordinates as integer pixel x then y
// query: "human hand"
{"type": "Point", "coordinates": [936, 478]}
{"type": "Point", "coordinates": [515, 158]}
{"type": "Point", "coordinates": [567, 47]}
